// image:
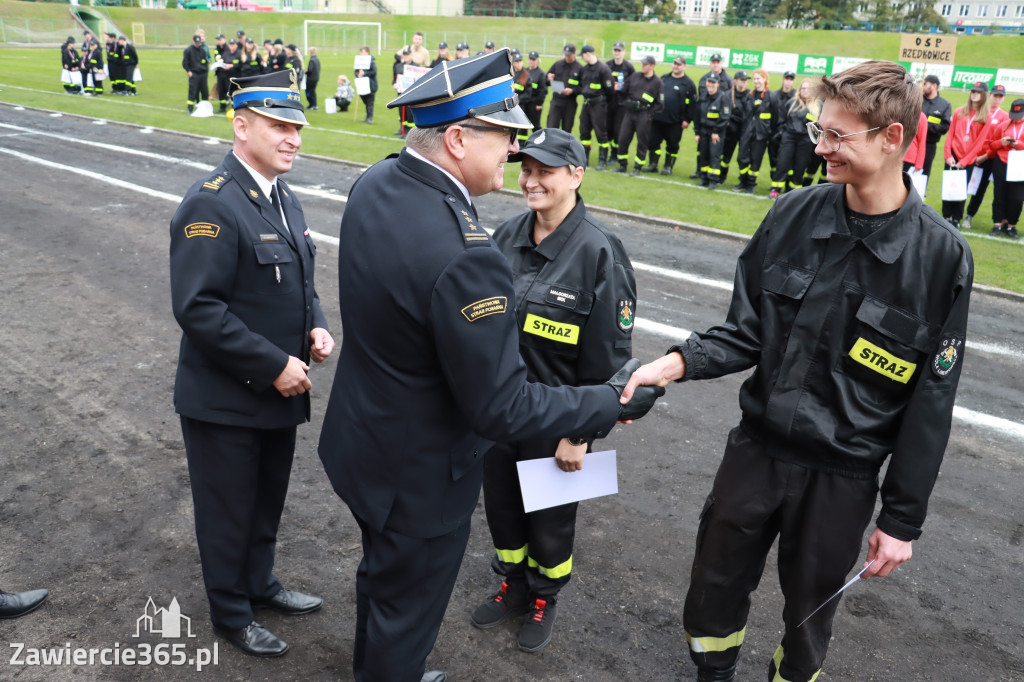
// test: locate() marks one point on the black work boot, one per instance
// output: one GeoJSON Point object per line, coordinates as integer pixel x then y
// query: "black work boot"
{"type": "Point", "coordinates": [707, 675]}
{"type": "Point", "coordinates": [507, 603]}
{"type": "Point", "coordinates": [538, 626]}
{"type": "Point", "coordinates": [651, 167]}
{"type": "Point", "coordinates": [636, 170]}
{"type": "Point", "coordinates": [621, 168]}
{"type": "Point", "coordinates": [602, 158]}
{"type": "Point", "coordinates": [667, 168]}
{"type": "Point", "coordinates": [586, 156]}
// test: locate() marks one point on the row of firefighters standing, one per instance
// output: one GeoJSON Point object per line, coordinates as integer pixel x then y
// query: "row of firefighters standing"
{"type": "Point", "coordinates": [121, 62]}
{"type": "Point", "coordinates": [619, 102]}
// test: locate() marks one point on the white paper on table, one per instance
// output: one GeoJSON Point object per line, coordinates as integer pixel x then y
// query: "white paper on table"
{"type": "Point", "coordinates": [954, 185]}
{"type": "Point", "coordinates": [977, 172]}
{"type": "Point", "coordinates": [545, 485]}
{"type": "Point", "coordinates": [1015, 165]}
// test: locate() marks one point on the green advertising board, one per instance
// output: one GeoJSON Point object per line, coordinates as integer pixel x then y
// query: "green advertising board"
{"type": "Point", "coordinates": [815, 65]}
{"type": "Point", "coordinates": [745, 59]}
{"type": "Point", "coordinates": [967, 76]}
{"type": "Point", "coordinates": [687, 52]}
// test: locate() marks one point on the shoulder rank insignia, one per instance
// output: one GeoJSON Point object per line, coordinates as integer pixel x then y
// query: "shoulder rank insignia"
{"type": "Point", "coordinates": [472, 233]}
{"type": "Point", "coordinates": [254, 194]}
{"type": "Point", "coordinates": [216, 183]}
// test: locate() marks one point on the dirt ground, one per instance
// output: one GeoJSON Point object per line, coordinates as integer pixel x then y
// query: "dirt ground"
{"type": "Point", "coordinates": [94, 490]}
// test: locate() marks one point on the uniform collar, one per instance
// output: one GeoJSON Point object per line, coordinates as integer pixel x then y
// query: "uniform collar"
{"type": "Point", "coordinates": [261, 182]}
{"type": "Point", "coordinates": [887, 243]}
{"type": "Point", "coordinates": [552, 245]}
{"type": "Point", "coordinates": [416, 155]}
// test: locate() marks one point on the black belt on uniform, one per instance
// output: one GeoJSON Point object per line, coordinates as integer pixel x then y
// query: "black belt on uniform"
{"type": "Point", "coordinates": [596, 99]}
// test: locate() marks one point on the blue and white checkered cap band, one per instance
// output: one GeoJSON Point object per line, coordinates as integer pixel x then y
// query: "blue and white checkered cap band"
{"type": "Point", "coordinates": [271, 96]}
{"type": "Point", "coordinates": [437, 113]}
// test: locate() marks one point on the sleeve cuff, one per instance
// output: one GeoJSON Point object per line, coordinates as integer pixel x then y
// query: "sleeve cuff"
{"type": "Point", "coordinates": [897, 529]}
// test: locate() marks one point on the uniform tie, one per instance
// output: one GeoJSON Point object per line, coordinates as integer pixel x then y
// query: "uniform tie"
{"type": "Point", "coordinates": [276, 202]}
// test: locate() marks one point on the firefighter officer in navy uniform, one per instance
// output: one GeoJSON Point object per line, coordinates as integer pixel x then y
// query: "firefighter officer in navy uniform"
{"type": "Point", "coordinates": [562, 113]}
{"type": "Point", "coordinates": [430, 373]}
{"type": "Point", "coordinates": [596, 86]}
{"type": "Point", "coordinates": [242, 292]}
{"type": "Point", "coordinates": [714, 111]}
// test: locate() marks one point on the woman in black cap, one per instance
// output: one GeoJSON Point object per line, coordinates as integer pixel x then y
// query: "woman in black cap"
{"type": "Point", "coordinates": [575, 301]}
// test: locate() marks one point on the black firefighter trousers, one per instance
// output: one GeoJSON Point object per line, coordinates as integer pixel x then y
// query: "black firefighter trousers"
{"type": "Point", "coordinates": [819, 519]}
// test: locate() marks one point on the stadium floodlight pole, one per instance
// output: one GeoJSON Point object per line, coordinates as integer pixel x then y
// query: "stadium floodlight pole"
{"type": "Point", "coordinates": [307, 22]}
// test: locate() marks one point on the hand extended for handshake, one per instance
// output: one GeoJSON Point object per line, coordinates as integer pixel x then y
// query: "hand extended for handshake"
{"type": "Point", "coordinates": [640, 399]}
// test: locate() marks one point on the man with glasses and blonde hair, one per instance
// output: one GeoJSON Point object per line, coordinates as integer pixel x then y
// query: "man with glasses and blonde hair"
{"type": "Point", "coordinates": [851, 303]}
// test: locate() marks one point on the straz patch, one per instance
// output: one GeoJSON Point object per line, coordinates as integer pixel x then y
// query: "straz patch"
{"type": "Point", "coordinates": [549, 329]}
{"type": "Point", "coordinates": [560, 296]}
{"type": "Point", "coordinates": [947, 357]}
{"type": "Point", "coordinates": [627, 314]}
{"type": "Point", "coordinates": [882, 361]}
{"type": "Point", "coordinates": [202, 230]}
{"type": "Point", "coordinates": [489, 306]}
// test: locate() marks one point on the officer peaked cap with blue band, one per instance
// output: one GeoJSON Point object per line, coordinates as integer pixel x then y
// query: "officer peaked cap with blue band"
{"type": "Point", "coordinates": [274, 95]}
{"type": "Point", "coordinates": [474, 87]}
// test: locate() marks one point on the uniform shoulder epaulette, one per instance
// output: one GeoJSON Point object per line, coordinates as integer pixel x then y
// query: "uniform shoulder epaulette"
{"type": "Point", "coordinates": [215, 183]}
{"type": "Point", "coordinates": [472, 234]}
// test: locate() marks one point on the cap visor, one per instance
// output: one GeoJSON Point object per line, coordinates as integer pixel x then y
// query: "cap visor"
{"type": "Point", "coordinates": [540, 154]}
{"type": "Point", "coordinates": [515, 118]}
{"type": "Point", "coordinates": [282, 114]}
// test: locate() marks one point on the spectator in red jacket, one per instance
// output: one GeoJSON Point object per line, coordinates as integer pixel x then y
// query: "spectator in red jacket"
{"type": "Point", "coordinates": [1002, 140]}
{"type": "Point", "coordinates": [915, 152]}
{"type": "Point", "coordinates": [964, 143]}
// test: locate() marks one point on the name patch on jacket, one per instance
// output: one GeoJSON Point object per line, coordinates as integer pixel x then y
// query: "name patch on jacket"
{"type": "Point", "coordinates": [882, 361]}
{"type": "Point", "coordinates": [489, 306]}
{"type": "Point", "coordinates": [560, 296]}
{"type": "Point", "coordinates": [549, 329]}
{"type": "Point", "coordinates": [202, 230]}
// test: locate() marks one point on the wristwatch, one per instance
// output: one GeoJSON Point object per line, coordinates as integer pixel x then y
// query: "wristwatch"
{"type": "Point", "coordinates": [576, 442]}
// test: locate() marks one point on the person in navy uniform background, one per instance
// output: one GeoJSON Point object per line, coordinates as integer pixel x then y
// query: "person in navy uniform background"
{"type": "Point", "coordinates": [430, 372]}
{"type": "Point", "coordinates": [242, 291]}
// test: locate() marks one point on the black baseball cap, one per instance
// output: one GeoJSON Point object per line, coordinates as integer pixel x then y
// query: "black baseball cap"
{"type": "Point", "coordinates": [713, 78]}
{"type": "Point", "coordinates": [534, 54]}
{"type": "Point", "coordinates": [111, 35]}
{"type": "Point", "coordinates": [619, 45]}
{"type": "Point", "coordinates": [406, 50]}
{"type": "Point", "coordinates": [789, 74]}
{"type": "Point", "coordinates": [569, 49]}
{"type": "Point", "coordinates": [517, 56]}
{"type": "Point", "coordinates": [648, 60]}
{"type": "Point", "coordinates": [932, 78]}
{"type": "Point", "coordinates": [553, 147]}
{"type": "Point", "coordinates": [741, 76]}
{"type": "Point", "coordinates": [220, 35]}
{"type": "Point", "coordinates": [462, 46]}
{"type": "Point", "coordinates": [586, 48]}
{"type": "Point", "coordinates": [442, 45]}
{"type": "Point", "coordinates": [1017, 110]}
{"type": "Point", "coordinates": [716, 57]}
{"type": "Point", "coordinates": [679, 61]}
{"type": "Point", "coordinates": [239, 33]}
{"type": "Point", "coordinates": [197, 38]}
{"type": "Point", "coordinates": [999, 90]}
{"type": "Point", "coordinates": [489, 44]}
{"type": "Point", "coordinates": [980, 86]}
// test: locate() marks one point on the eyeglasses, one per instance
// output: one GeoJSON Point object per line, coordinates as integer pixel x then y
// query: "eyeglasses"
{"type": "Point", "coordinates": [831, 138]}
{"type": "Point", "coordinates": [511, 132]}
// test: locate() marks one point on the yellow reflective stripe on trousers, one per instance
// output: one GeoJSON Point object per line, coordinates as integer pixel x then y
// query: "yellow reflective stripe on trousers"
{"type": "Point", "coordinates": [512, 556]}
{"type": "Point", "coordinates": [560, 571]}
{"type": "Point", "coordinates": [777, 660]}
{"type": "Point", "coordinates": [704, 645]}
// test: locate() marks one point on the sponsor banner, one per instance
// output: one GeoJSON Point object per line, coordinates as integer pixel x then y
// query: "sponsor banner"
{"type": "Point", "coordinates": [1011, 79]}
{"type": "Point", "coordinates": [779, 62]}
{"type": "Point", "coordinates": [840, 64]}
{"type": "Point", "coordinates": [811, 65]}
{"type": "Point", "coordinates": [966, 76]}
{"type": "Point", "coordinates": [944, 71]}
{"type": "Point", "coordinates": [641, 50]}
{"type": "Point", "coordinates": [704, 54]}
{"type": "Point", "coordinates": [932, 49]}
{"type": "Point", "coordinates": [745, 59]}
{"type": "Point", "coordinates": [687, 52]}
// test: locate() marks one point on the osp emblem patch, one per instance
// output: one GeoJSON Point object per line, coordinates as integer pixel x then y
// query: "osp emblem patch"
{"type": "Point", "coordinates": [947, 357]}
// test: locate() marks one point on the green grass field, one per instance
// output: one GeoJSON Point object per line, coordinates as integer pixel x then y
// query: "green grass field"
{"type": "Point", "coordinates": [32, 78]}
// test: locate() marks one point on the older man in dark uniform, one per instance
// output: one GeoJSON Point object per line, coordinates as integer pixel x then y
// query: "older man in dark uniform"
{"type": "Point", "coordinates": [430, 373]}
{"type": "Point", "coordinates": [242, 291]}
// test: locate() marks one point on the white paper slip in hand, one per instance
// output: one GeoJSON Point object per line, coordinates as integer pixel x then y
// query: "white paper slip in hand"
{"type": "Point", "coordinates": [545, 485]}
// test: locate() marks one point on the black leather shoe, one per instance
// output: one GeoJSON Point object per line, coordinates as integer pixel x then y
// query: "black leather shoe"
{"type": "Point", "coordinates": [20, 603]}
{"type": "Point", "coordinates": [433, 676]}
{"type": "Point", "coordinates": [292, 603]}
{"type": "Point", "coordinates": [255, 640]}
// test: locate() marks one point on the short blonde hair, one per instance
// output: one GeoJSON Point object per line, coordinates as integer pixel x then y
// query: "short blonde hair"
{"type": "Point", "coordinates": [880, 93]}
